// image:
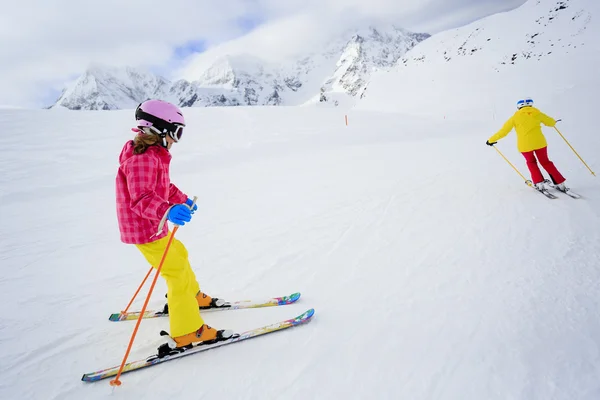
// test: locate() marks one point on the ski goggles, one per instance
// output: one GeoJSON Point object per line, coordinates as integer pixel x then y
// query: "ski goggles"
{"type": "Point", "coordinates": [524, 102]}
{"type": "Point", "coordinates": [178, 133]}
{"type": "Point", "coordinates": [162, 127]}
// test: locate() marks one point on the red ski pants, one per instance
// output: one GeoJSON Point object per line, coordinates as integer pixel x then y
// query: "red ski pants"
{"type": "Point", "coordinates": [542, 157]}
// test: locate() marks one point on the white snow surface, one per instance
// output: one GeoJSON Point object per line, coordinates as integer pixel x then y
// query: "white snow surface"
{"type": "Point", "coordinates": [435, 272]}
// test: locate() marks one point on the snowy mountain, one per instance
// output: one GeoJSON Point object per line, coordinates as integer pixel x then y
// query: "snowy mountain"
{"type": "Point", "coordinates": [340, 66]}
{"type": "Point", "coordinates": [109, 88]}
{"type": "Point", "coordinates": [537, 50]}
{"type": "Point", "coordinates": [364, 54]}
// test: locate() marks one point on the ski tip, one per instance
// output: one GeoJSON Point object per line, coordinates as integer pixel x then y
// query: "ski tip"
{"type": "Point", "coordinates": [114, 317]}
{"type": "Point", "coordinates": [292, 298]}
{"type": "Point", "coordinates": [304, 317]}
{"type": "Point", "coordinates": [308, 314]}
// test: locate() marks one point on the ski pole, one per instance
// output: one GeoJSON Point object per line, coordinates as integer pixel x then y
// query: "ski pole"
{"type": "Point", "coordinates": [136, 292]}
{"type": "Point", "coordinates": [116, 381]}
{"type": "Point", "coordinates": [561, 135]}
{"type": "Point", "coordinates": [515, 168]}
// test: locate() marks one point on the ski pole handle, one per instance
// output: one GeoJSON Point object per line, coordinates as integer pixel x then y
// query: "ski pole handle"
{"type": "Point", "coordinates": [163, 221]}
{"type": "Point", "coordinates": [193, 202]}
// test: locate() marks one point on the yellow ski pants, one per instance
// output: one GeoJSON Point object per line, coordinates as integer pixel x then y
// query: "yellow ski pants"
{"type": "Point", "coordinates": [184, 315]}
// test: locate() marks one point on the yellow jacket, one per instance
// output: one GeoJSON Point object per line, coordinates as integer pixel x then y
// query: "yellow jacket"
{"type": "Point", "coordinates": [527, 123]}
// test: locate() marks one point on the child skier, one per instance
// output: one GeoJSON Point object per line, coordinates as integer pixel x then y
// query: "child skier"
{"type": "Point", "coordinates": [531, 142]}
{"type": "Point", "coordinates": [146, 198]}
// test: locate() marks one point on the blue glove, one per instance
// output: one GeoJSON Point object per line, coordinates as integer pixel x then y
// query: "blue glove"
{"type": "Point", "coordinates": [189, 202]}
{"type": "Point", "coordinates": [179, 214]}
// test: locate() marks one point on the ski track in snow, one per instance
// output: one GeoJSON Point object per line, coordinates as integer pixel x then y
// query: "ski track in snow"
{"type": "Point", "coordinates": [434, 271]}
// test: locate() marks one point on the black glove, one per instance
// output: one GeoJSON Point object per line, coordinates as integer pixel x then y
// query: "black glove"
{"type": "Point", "coordinates": [490, 144]}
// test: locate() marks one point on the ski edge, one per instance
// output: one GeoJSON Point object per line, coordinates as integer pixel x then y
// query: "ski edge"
{"type": "Point", "coordinates": [301, 319]}
{"type": "Point", "coordinates": [569, 192]}
{"type": "Point", "coordinates": [545, 192]}
{"type": "Point", "coordinates": [236, 305]}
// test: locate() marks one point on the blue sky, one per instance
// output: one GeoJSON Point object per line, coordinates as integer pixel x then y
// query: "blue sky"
{"type": "Point", "coordinates": [245, 23]}
{"type": "Point", "coordinates": [249, 22]}
{"type": "Point", "coordinates": [181, 52]}
{"type": "Point", "coordinates": [191, 47]}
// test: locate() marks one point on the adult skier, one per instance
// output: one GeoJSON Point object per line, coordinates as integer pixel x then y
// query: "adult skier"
{"type": "Point", "coordinates": [531, 142]}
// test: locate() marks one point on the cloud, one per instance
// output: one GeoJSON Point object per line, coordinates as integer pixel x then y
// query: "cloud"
{"type": "Point", "coordinates": [44, 43]}
{"type": "Point", "coordinates": [301, 27]}
{"type": "Point", "coordinates": [446, 14]}
{"type": "Point", "coordinates": [410, 13]}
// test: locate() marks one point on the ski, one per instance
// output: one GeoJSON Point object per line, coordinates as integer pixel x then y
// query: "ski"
{"type": "Point", "coordinates": [154, 359]}
{"type": "Point", "coordinates": [236, 305]}
{"type": "Point", "coordinates": [545, 192]}
{"type": "Point", "coordinates": [568, 192]}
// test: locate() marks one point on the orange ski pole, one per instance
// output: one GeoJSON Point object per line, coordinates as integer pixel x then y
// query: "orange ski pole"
{"type": "Point", "coordinates": [116, 381]}
{"type": "Point", "coordinates": [136, 292]}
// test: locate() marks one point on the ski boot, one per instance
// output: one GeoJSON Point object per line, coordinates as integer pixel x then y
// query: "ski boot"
{"type": "Point", "coordinates": [204, 335]}
{"type": "Point", "coordinates": [205, 302]}
{"type": "Point", "coordinates": [561, 187]}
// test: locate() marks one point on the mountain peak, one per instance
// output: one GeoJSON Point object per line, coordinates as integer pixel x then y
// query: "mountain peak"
{"type": "Point", "coordinates": [103, 87]}
{"type": "Point", "coordinates": [342, 65]}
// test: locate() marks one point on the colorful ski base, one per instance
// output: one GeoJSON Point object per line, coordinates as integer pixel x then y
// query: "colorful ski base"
{"type": "Point", "coordinates": [237, 305]}
{"type": "Point", "coordinates": [154, 360]}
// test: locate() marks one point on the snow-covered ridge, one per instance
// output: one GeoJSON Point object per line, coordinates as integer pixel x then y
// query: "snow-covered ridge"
{"type": "Point", "coordinates": [342, 66]}
{"type": "Point", "coordinates": [539, 49]}
{"type": "Point", "coordinates": [538, 29]}
{"type": "Point", "coordinates": [103, 87]}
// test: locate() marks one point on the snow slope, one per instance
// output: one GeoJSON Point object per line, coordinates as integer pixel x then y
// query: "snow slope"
{"type": "Point", "coordinates": [434, 271]}
{"type": "Point", "coordinates": [544, 49]}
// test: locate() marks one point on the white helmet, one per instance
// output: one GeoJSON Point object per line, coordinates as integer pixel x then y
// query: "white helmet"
{"type": "Point", "coordinates": [525, 102]}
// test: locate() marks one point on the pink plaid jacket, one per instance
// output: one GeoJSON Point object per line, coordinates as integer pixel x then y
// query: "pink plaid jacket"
{"type": "Point", "coordinates": [144, 193]}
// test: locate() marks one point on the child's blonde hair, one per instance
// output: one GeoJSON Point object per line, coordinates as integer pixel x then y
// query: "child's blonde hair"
{"type": "Point", "coordinates": [142, 141]}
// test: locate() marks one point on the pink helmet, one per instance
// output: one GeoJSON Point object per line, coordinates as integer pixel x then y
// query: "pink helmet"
{"type": "Point", "coordinates": [162, 117]}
